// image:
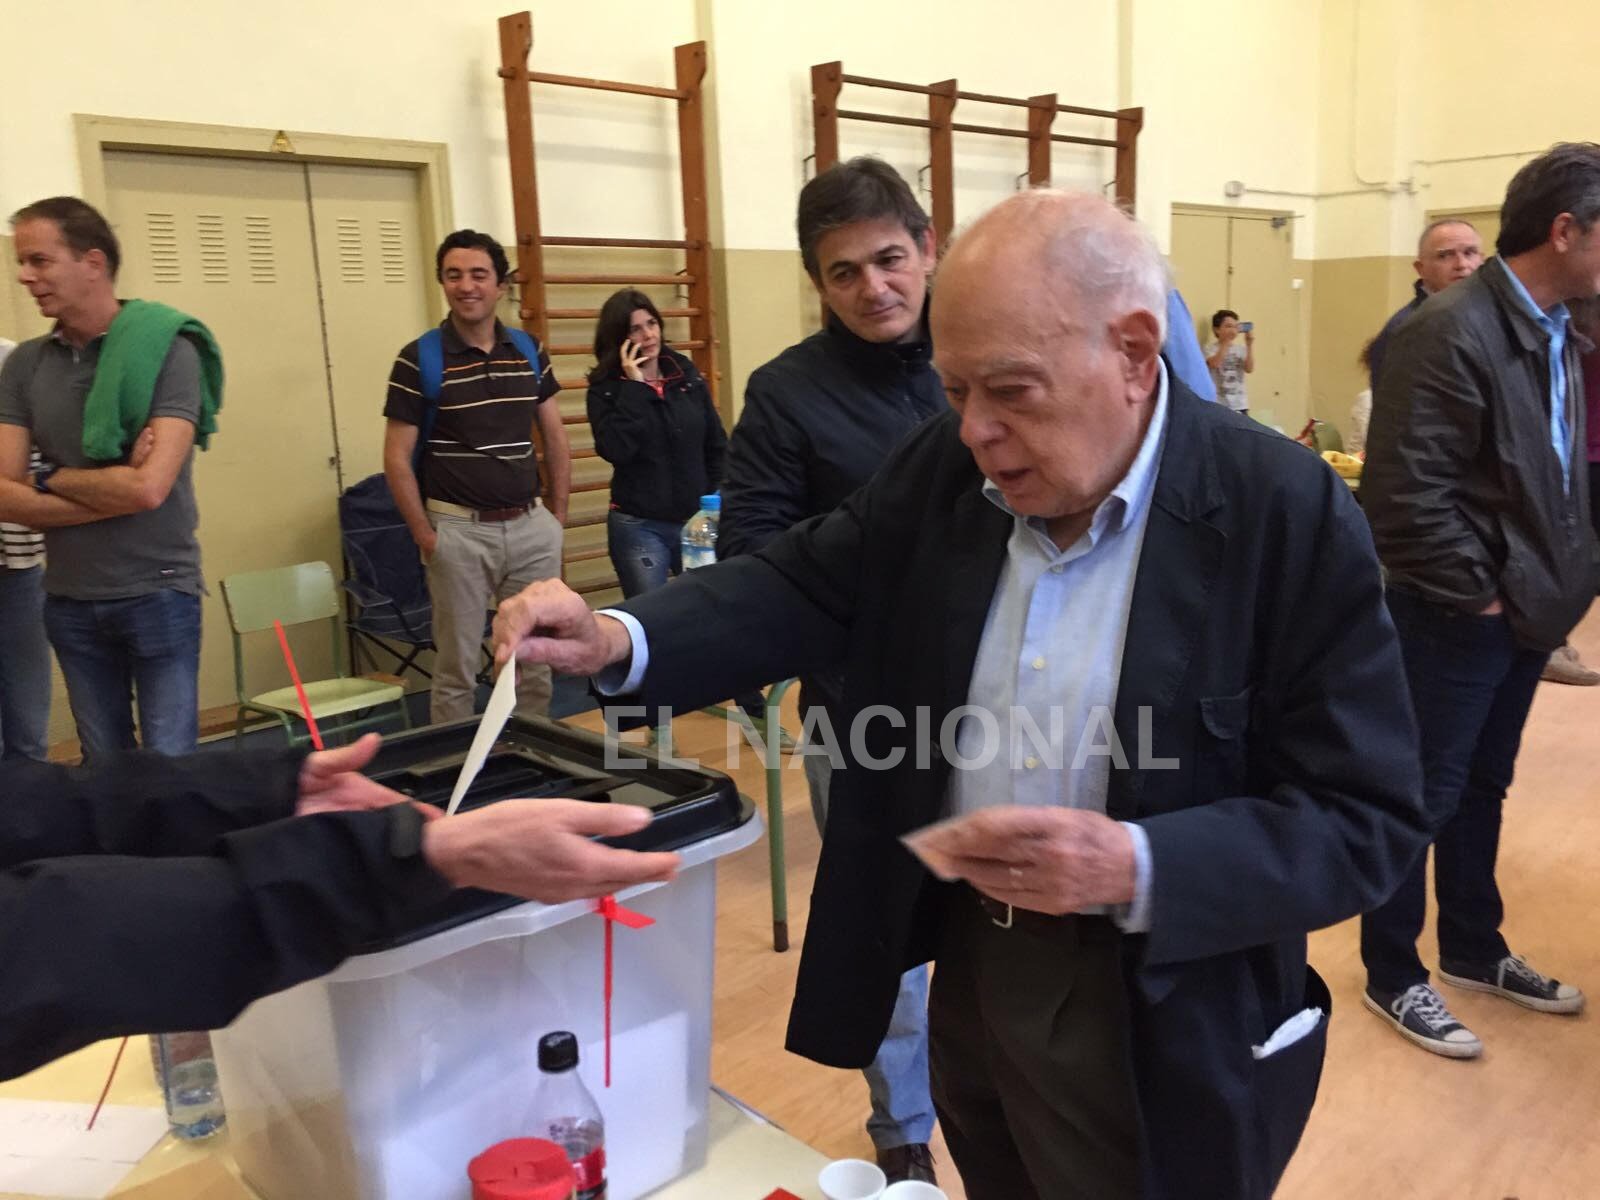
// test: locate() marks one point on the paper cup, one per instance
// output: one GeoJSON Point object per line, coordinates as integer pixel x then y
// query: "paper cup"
{"type": "Point", "coordinates": [851, 1179]}
{"type": "Point", "coordinates": [913, 1189]}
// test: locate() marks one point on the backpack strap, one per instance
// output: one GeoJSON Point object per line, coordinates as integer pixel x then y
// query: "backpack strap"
{"type": "Point", "coordinates": [430, 371]}
{"type": "Point", "coordinates": [527, 345]}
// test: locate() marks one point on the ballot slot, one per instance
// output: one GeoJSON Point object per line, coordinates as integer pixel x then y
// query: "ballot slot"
{"type": "Point", "coordinates": [538, 759]}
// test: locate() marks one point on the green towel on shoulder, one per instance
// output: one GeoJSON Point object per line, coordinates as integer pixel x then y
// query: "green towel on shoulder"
{"type": "Point", "coordinates": [136, 346]}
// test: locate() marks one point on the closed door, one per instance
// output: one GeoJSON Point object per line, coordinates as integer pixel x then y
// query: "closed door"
{"type": "Point", "coordinates": [1245, 262]}
{"type": "Point", "coordinates": [376, 276]}
{"type": "Point", "coordinates": [310, 278]}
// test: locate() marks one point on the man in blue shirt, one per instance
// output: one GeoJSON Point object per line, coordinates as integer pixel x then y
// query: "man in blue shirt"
{"type": "Point", "coordinates": [1478, 495]}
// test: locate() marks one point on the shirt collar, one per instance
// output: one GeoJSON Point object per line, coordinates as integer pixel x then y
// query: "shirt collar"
{"type": "Point", "coordinates": [1552, 320]}
{"type": "Point", "coordinates": [452, 336]}
{"type": "Point", "coordinates": [1132, 494]}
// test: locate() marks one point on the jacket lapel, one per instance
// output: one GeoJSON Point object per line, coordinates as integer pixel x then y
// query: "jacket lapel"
{"type": "Point", "coordinates": [977, 549]}
{"type": "Point", "coordinates": [1172, 592]}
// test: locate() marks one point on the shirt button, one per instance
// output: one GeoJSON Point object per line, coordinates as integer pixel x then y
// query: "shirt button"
{"type": "Point", "coordinates": [1057, 569]}
{"type": "Point", "coordinates": [1030, 762]}
{"type": "Point", "coordinates": [1038, 663]}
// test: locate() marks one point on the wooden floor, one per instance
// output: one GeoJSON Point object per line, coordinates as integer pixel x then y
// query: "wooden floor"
{"type": "Point", "coordinates": [1391, 1119]}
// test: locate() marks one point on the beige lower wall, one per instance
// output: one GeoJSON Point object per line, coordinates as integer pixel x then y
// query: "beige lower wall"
{"type": "Point", "coordinates": [765, 303]}
{"type": "Point", "coordinates": [1351, 300]}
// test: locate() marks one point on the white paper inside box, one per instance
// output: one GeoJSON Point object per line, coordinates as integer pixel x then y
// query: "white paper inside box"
{"type": "Point", "coordinates": [384, 1079]}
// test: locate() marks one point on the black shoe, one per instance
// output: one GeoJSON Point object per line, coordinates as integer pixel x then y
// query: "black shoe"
{"type": "Point", "coordinates": [901, 1163]}
{"type": "Point", "coordinates": [1419, 1015]}
{"type": "Point", "coordinates": [1514, 980]}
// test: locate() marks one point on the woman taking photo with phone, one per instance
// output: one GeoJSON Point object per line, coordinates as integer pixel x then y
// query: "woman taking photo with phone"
{"type": "Point", "coordinates": [654, 422]}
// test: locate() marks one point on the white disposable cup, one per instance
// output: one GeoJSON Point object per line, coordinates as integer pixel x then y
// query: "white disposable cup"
{"type": "Point", "coordinates": [851, 1179]}
{"type": "Point", "coordinates": [913, 1189]}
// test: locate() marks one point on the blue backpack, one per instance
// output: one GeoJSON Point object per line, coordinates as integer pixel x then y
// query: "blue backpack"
{"type": "Point", "coordinates": [430, 366]}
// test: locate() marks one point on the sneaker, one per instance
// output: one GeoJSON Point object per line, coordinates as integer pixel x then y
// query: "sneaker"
{"type": "Point", "coordinates": [1419, 1015]}
{"type": "Point", "coordinates": [1564, 666]}
{"type": "Point", "coordinates": [1515, 980]}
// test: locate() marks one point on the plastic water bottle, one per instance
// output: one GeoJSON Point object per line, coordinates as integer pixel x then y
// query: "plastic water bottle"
{"type": "Point", "coordinates": [700, 534]}
{"type": "Point", "coordinates": [565, 1113]}
{"type": "Point", "coordinates": [187, 1073]}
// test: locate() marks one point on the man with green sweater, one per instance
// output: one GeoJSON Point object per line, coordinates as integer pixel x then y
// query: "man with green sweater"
{"type": "Point", "coordinates": [115, 397]}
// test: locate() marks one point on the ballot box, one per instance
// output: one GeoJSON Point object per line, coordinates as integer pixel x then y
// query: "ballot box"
{"type": "Point", "coordinates": [382, 1080]}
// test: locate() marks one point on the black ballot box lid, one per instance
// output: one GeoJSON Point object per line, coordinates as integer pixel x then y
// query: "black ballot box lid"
{"type": "Point", "coordinates": [543, 758]}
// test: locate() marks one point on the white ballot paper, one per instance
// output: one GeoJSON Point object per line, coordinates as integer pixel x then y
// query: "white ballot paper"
{"type": "Point", "coordinates": [47, 1149]}
{"type": "Point", "coordinates": [501, 701]}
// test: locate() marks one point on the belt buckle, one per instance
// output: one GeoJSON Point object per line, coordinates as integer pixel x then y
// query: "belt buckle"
{"type": "Point", "coordinates": [1011, 914]}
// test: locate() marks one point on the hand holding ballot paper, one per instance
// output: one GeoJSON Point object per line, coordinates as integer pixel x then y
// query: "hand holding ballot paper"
{"type": "Point", "coordinates": [1049, 860]}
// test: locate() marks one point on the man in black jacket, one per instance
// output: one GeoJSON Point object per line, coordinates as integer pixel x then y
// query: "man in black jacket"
{"type": "Point", "coordinates": [1122, 1005]}
{"type": "Point", "coordinates": [1478, 497]}
{"type": "Point", "coordinates": [817, 421]}
{"type": "Point", "coordinates": [148, 894]}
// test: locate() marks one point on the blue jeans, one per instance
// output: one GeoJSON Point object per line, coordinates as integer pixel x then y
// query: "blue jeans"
{"type": "Point", "coordinates": [645, 553]}
{"type": "Point", "coordinates": [1471, 688]}
{"type": "Point", "coordinates": [110, 650]}
{"type": "Point", "coordinates": [897, 1079]}
{"type": "Point", "coordinates": [24, 666]}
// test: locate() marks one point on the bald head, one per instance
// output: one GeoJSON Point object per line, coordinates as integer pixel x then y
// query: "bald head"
{"type": "Point", "coordinates": [1047, 327]}
{"type": "Point", "coordinates": [1103, 261]}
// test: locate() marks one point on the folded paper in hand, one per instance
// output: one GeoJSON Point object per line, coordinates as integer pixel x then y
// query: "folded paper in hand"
{"type": "Point", "coordinates": [937, 844]}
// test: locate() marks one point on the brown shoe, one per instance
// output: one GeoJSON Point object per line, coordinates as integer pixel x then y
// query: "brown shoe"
{"type": "Point", "coordinates": [901, 1163]}
{"type": "Point", "coordinates": [1566, 667]}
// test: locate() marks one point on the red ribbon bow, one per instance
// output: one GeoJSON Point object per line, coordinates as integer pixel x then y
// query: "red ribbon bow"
{"type": "Point", "coordinates": [614, 913]}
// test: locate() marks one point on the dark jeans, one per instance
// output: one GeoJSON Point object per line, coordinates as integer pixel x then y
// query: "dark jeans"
{"type": "Point", "coordinates": [24, 665]}
{"type": "Point", "coordinates": [109, 650]}
{"type": "Point", "coordinates": [646, 553]}
{"type": "Point", "coordinates": [1471, 687]}
{"type": "Point", "coordinates": [1594, 496]}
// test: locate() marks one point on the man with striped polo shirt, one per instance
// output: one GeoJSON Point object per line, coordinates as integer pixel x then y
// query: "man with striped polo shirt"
{"type": "Point", "coordinates": [471, 497]}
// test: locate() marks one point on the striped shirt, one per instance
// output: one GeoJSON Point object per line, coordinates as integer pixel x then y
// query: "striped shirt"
{"type": "Point", "coordinates": [480, 451]}
{"type": "Point", "coordinates": [21, 548]}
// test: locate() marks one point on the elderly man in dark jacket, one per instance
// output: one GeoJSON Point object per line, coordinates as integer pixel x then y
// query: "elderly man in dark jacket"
{"type": "Point", "coordinates": [1190, 605]}
{"type": "Point", "coordinates": [1478, 497]}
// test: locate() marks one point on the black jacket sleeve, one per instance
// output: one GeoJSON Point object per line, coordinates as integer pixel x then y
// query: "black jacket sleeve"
{"type": "Point", "coordinates": [1427, 429]}
{"type": "Point", "coordinates": [764, 487]}
{"type": "Point", "coordinates": [151, 894]}
{"type": "Point", "coordinates": [716, 446]}
{"type": "Point", "coordinates": [141, 804]}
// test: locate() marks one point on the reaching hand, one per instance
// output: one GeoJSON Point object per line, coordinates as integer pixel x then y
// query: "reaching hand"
{"type": "Point", "coordinates": [548, 622]}
{"type": "Point", "coordinates": [541, 849]}
{"type": "Point", "coordinates": [331, 781]}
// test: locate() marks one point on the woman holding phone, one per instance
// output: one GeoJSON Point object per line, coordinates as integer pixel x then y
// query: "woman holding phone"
{"type": "Point", "coordinates": [654, 422]}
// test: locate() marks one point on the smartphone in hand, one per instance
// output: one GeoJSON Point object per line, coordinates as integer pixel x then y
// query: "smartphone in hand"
{"type": "Point", "coordinates": [1247, 326]}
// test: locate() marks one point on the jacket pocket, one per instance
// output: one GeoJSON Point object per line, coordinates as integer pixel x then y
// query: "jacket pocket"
{"type": "Point", "coordinates": [1286, 1086]}
{"type": "Point", "coordinates": [1222, 750]}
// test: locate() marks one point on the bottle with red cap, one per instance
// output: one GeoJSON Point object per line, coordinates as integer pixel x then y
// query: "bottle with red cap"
{"type": "Point", "coordinates": [564, 1112]}
{"type": "Point", "coordinates": [522, 1169]}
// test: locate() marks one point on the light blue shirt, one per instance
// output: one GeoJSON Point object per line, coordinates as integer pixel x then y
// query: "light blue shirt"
{"type": "Point", "coordinates": [1554, 322]}
{"type": "Point", "coordinates": [1048, 665]}
{"type": "Point", "coordinates": [1045, 679]}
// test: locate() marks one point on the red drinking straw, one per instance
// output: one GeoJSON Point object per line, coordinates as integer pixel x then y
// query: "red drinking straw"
{"type": "Point", "coordinates": [299, 688]}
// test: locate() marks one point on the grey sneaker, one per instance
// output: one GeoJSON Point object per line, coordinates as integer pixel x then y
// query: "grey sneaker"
{"type": "Point", "coordinates": [1419, 1015]}
{"type": "Point", "coordinates": [1513, 979]}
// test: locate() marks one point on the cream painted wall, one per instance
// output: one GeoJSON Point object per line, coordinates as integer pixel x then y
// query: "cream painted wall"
{"type": "Point", "coordinates": [366, 68]}
{"type": "Point", "coordinates": [763, 58]}
{"type": "Point", "coordinates": [1230, 92]}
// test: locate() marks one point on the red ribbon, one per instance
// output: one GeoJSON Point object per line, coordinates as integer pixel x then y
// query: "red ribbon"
{"type": "Point", "coordinates": [299, 688]}
{"type": "Point", "coordinates": [613, 913]}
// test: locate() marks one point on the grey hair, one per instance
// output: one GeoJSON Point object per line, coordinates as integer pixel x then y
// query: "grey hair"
{"type": "Point", "coordinates": [1422, 238]}
{"type": "Point", "coordinates": [1102, 251]}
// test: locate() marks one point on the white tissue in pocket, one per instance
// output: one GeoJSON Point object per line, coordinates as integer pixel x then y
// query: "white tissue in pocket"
{"type": "Point", "coordinates": [1290, 1032]}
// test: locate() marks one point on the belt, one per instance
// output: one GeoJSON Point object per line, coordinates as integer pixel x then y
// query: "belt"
{"type": "Point", "coordinates": [479, 514]}
{"type": "Point", "coordinates": [1077, 926]}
